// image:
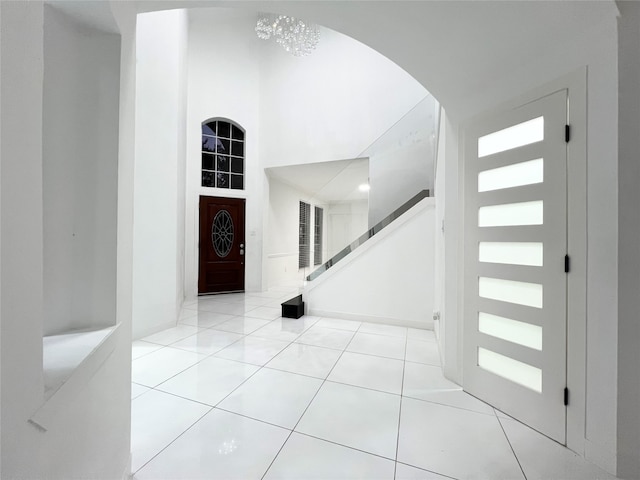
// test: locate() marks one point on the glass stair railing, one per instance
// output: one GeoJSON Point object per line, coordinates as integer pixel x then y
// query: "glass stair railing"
{"type": "Point", "coordinates": [348, 196]}
{"type": "Point", "coordinates": [368, 234]}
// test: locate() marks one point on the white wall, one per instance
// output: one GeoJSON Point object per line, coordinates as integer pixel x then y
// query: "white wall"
{"type": "Point", "coordinates": [330, 105]}
{"type": "Point", "coordinates": [629, 241]}
{"type": "Point", "coordinates": [602, 234]}
{"type": "Point", "coordinates": [81, 78]}
{"type": "Point", "coordinates": [159, 150]}
{"type": "Point", "coordinates": [282, 235]}
{"type": "Point", "coordinates": [389, 279]}
{"type": "Point", "coordinates": [345, 222]}
{"type": "Point", "coordinates": [89, 436]}
{"type": "Point", "coordinates": [450, 329]}
{"type": "Point", "coordinates": [223, 79]}
{"type": "Point", "coordinates": [439, 241]}
{"type": "Point", "coordinates": [21, 57]}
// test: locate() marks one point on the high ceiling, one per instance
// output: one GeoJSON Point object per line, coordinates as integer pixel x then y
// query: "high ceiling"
{"type": "Point", "coordinates": [468, 54]}
{"type": "Point", "coordinates": [328, 182]}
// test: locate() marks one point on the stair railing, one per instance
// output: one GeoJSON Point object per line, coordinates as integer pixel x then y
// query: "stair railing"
{"type": "Point", "coordinates": [368, 234]}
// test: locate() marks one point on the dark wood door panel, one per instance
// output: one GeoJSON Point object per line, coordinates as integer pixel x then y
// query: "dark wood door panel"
{"type": "Point", "coordinates": [222, 245]}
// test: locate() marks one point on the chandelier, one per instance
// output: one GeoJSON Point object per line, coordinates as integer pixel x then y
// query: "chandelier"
{"type": "Point", "coordinates": [294, 35]}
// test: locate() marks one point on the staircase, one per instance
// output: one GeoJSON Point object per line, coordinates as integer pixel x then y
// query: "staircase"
{"type": "Point", "coordinates": [377, 228]}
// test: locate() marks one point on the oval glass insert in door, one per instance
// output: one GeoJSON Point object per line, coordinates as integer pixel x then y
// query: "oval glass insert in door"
{"type": "Point", "coordinates": [222, 233]}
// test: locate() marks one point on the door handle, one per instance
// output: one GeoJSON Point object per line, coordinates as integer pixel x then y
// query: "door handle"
{"type": "Point", "coordinates": [242, 249]}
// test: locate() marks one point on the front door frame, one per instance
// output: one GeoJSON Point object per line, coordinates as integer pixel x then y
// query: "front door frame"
{"type": "Point", "coordinates": [242, 246]}
{"type": "Point", "coordinates": [576, 85]}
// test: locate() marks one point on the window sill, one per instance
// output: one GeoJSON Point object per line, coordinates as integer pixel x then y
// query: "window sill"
{"type": "Point", "coordinates": [70, 360]}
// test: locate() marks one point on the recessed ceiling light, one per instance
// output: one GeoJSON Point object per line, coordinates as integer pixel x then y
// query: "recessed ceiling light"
{"type": "Point", "coordinates": [364, 187]}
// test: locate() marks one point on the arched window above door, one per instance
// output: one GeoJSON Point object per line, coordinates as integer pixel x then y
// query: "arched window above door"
{"type": "Point", "coordinates": [223, 147]}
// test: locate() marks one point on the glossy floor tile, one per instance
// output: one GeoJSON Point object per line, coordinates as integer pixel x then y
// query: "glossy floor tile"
{"type": "Point", "coordinates": [305, 457]}
{"type": "Point", "coordinates": [454, 398]}
{"type": "Point", "coordinates": [421, 380]}
{"type": "Point", "coordinates": [422, 352]}
{"type": "Point", "coordinates": [423, 335]}
{"type": "Point", "coordinates": [209, 381]}
{"type": "Point", "coordinates": [273, 396]}
{"type": "Point", "coordinates": [228, 308]}
{"type": "Point", "coordinates": [234, 391]}
{"type": "Point", "coordinates": [254, 350]}
{"type": "Point", "coordinates": [187, 313]}
{"type": "Point", "coordinates": [208, 342]}
{"type": "Point", "coordinates": [530, 447]}
{"type": "Point", "coordinates": [140, 348]}
{"type": "Point", "coordinates": [377, 373]}
{"type": "Point", "coordinates": [306, 360]}
{"type": "Point", "coordinates": [354, 417]}
{"type": "Point", "coordinates": [454, 442]}
{"type": "Point", "coordinates": [407, 472]}
{"type": "Point", "coordinates": [159, 366]}
{"type": "Point", "coordinates": [171, 335]}
{"type": "Point", "coordinates": [326, 337]}
{"type": "Point", "coordinates": [266, 313]}
{"type": "Point", "coordinates": [380, 345]}
{"type": "Point", "coordinates": [243, 325]}
{"type": "Point", "coordinates": [248, 300]}
{"type": "Point", "coordinates": [285, 329]}
{"type": "Point", "coordinates": [390, 330]}
{"type": "Point", "coordinates": [157, 419]}
{"type": "Point", "coordinates": [339, 324]}
{"type": "Point", "coordinates": [206, 319]}
{"type": "Point", "coordinates": [222, 445]}
{"type": "Point", "coordinates": [137, 390]}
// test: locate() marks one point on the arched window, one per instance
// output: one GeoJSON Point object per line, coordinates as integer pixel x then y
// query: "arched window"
{"type": "Point", "coordinates": [222, 155]}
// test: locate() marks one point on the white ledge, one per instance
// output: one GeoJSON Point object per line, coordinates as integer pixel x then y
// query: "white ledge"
{"type": "Point", "coordinates": [69, 361]}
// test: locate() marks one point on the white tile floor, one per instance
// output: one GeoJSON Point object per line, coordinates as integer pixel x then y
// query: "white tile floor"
{"type": "Point", "coordinates": [236, 392]}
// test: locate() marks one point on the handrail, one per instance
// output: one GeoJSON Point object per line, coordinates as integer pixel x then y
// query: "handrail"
{"type": "Point", "coordinates": [368, 234]}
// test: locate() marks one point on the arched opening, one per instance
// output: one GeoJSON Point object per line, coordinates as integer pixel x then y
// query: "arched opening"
{"type": "Point", "coordinates": [472, 56]}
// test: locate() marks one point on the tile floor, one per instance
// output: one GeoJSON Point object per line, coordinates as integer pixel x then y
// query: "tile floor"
{"type": "Point", "coordinates": [236, 392]}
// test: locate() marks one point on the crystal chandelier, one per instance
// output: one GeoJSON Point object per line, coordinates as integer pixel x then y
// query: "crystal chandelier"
{"type": "Point", "coordinates": [294, 35]}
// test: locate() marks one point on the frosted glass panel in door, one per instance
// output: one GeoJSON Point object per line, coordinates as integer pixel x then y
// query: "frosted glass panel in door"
{"type": "Point", "coordinates": [510, 330]}
{"type": "Point", "coordinates": [509, 214]}
{"type": "Point", "coordinates": [515, 241]}
{"type": "Point", "coordinates": [521, 293]}
{"type": "Point", "coordinates": [514, 370]}
{"type": "Point", "coordinates": [514, 175]}
{"type": "Point", "coordinates": [516, 136]}
{"type": "Point", "coordinates": [512, 253]}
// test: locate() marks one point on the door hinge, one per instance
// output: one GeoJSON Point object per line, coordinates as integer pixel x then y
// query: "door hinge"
{"type": "Point", "coordinates": [567, 133]}
{"type": "Point", "coordinates": [566, 264]}
{"type": "Point", "coordinates": [566, 396]}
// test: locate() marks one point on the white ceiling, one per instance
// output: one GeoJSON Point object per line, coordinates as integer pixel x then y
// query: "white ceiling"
{"type": "Point", "coordinates": [468, 54]}
{"type": "Point", "coordinates": [328, 182]}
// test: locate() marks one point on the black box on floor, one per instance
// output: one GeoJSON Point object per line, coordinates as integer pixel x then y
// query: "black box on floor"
{"type": "Point", "coordinates": [293, 308]}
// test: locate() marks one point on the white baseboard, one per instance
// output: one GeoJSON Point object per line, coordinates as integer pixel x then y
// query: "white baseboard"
{"type": "Point", "coordinates": [428, 325]}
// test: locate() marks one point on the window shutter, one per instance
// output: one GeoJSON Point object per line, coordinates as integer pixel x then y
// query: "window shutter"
{"type": "Point", "coordinates": [317, 236]}
{"type": "Point", "coordinates": [304, 245]}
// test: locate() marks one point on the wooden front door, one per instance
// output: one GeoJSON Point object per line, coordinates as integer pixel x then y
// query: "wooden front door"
{"type": "Point", "coordinates": [221, 264]}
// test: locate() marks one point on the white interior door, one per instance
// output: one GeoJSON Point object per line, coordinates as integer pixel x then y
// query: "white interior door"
{"type": "Point", "coordinates": [515, 245]}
